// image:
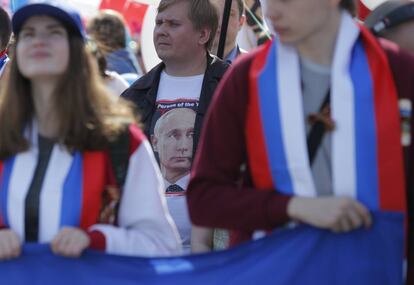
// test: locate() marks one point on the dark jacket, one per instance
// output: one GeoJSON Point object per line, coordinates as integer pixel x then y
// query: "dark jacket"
{"type": "Point", "coordinates": [143, 93]}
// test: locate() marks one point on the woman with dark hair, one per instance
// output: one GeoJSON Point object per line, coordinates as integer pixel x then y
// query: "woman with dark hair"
{"type": "Point", "coordinates": [63, 143]}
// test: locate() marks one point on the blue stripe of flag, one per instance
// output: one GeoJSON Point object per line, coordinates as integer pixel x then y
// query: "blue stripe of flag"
{"type": "Point", "coordinates": [365, 130]}
{"type": "Point", "coordinates": [4, 193]}
{"type": "Point", "coordinates": [294, 256]}
{"type": "Point", "coordinates": [269, 110]}
{"type": "Point", "coordinates": [72, 194]}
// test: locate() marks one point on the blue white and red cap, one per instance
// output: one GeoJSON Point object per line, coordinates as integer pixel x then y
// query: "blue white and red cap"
{"type": "Point", "coordinates": [64, 14]}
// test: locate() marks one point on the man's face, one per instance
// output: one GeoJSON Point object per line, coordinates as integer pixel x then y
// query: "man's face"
{"type": "Point", "coordinates": [234, 26]}
{"type": "Point", "coordinates": [175, 38]}
{"type": "Point", "coordinates": [174, 141]}
{"type": "Point", "coordinates": [295, 21]}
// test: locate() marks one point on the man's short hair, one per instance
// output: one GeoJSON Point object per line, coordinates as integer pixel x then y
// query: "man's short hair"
{"type": "Point", "coordinates": [348, 5]}
{"type": "Point", "coordinates": [202, 14]}
{"type": "Point", "coordinates": [5, 29]}
{"type": "Point", "coordinates": [108, 30]}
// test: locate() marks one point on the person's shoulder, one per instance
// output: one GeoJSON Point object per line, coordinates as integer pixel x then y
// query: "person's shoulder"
{"type": "Point", "coordinates": [144, 83]}
{"type": "Point", "coordinates": [241, 65]}
{"type": "Point", "coordinates": [147, 80]}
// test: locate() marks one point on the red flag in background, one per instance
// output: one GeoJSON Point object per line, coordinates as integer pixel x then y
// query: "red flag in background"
{"type": "Point", "coordinates": [117, 5]}
{"type": "Point", "coordinates": [132, 11]}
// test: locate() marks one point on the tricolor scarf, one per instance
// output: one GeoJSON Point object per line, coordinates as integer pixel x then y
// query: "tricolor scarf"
{"type": "Point", "coordinates": [71, 191]}
{"type": "Point", "coordinates": [367, 161]}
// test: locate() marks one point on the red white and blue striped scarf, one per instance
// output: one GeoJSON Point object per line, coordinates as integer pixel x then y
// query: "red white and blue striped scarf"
{"type": "Point", "coordinates": [72, 188]}
{"type": "Point", "coordinates": [367, 161]}
{"type": "Point", "coordinates": [75, 181]}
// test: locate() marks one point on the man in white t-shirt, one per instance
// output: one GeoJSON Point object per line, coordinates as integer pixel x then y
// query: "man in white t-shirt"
{"type": "Point", "coordinates": [5, 33]}
{"type": "Point", "coordinates": [179, 90]}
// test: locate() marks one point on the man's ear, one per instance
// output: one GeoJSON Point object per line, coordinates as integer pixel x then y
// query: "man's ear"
{"type": "Point", "coordinates": [204, 36]}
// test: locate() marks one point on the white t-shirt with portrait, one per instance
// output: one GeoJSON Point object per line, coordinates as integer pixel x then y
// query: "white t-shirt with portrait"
{"type": "Point", "coordinates": [171, 136]}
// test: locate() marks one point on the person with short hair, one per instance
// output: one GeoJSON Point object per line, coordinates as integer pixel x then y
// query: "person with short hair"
{"type": "Point", "coordinates": [5, 34]}
{"type": "Point", "coordinates": [313, 115]}
{"type": "Point", "coordinates": [237, 19]}
{"type": "Point", "coordinates": [67, 149]}
{"type": "Point", "coordinates": [180, 88]}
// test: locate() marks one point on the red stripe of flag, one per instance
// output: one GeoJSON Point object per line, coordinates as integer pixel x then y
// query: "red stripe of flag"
{"type": "Point", "coordinates": [390, 157]}
{"type": "Point", "coordinates": [255, 140]}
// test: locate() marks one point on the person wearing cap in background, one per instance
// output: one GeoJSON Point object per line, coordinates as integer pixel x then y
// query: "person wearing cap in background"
{"type": "Point", "coordinates": [5, 33]}
{"type": "Point", "coordinates": [300, 113]}
{"type": "Point", "coordinates": [394, 21]}
{"type": "Point", "coordinates": [66, 148]}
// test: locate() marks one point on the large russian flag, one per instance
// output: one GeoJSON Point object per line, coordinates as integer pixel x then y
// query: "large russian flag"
{"type": "Point", "coordinates": [299, 256]}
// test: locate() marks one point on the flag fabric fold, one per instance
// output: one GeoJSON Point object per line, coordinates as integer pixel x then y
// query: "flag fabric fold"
{"type": "Point", "coordinates": [292, 256]}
